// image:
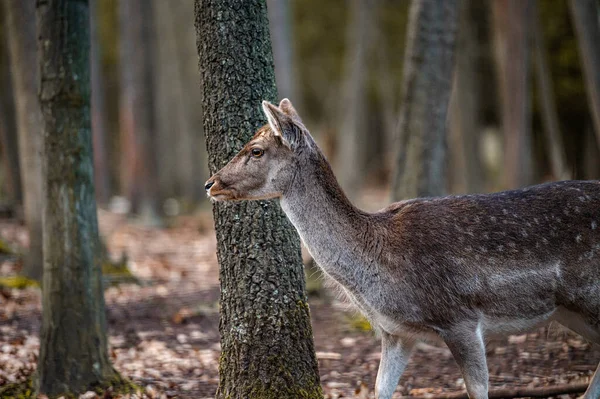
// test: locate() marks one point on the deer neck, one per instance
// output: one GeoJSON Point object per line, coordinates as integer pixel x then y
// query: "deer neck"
{"type": "Point", "coordinates": [333, 230]}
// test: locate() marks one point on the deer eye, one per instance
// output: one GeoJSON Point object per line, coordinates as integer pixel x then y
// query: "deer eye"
{"type": "Point", "coordinates": [257, 152]}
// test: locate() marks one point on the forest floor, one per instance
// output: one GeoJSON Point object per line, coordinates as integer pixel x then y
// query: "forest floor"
{"type": "Point", "coordinates": [164, 331]}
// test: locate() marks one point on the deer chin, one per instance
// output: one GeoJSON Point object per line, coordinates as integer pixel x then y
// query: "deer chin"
{"type": "Point", "coordinates": [222, 195]}
{"type": "Point", "coordinates": [233, 195]}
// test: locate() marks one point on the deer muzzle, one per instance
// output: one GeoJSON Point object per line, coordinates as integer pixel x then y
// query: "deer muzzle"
{"type": "Point", "coordinates": [217, 190]}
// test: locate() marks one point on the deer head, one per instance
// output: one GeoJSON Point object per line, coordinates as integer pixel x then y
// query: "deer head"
{"type": "Point", "coordinates": [266, 166]}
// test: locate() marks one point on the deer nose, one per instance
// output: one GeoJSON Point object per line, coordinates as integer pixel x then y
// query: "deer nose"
{"type": "Point", "coordinates": [208, 185]}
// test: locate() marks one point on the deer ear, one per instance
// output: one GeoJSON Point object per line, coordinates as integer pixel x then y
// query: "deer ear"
{"type": "Point", "coordinates": [287, 108]}
{"type": "Point", "coordinates": [282, 124]}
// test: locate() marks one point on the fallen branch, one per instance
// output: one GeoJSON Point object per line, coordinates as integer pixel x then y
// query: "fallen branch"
{"type": "Point", "coordinates": [537, 392]}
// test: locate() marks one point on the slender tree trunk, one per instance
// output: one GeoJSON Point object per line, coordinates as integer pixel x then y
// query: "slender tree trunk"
{"type": "Point", "coordinates": [280, 24]}
{"type": "Point", "coordinates": [170, 113]}
{"type": "Point", "coordinates": [266, 336]}
{"type": "Point", "coordinates": [591, 154]}
{"type": "Point", "coordinates": [137, 107]}
{"type": "Point", "coordinates": [353, 133]}
{"type": "Point", "coordinates": [129, 165]}
{"type": "Point", "coordinates": [178, 105]}
{"type": "Point", "coordinates": [427, 84]}
{"type": "Point", "coordinates": [380, 111]}
{"type": "Point", "coordinates": [8, 127]}
{"type": "Point", "coordinates": [99, 115]}
{"type": "Point", "coordinates": [465, 122]}
{"type": "Point", "coordinates": [73, 344]}
{"type": "Point", "coordinates": [511, 25]}
{"type": "Point", "coordinates": [557, 155]}
{"type": "Point", "coordinates": [586, 18]}
{"type": "Point", "coordinates": [22, 43]}
{"type": "Point", "coordinates": [388, 97]}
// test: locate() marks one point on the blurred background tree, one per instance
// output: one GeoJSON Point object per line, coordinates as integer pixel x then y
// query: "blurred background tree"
{"type": "Point", "coordinates": [584, 14]}
{"type": "Point", "coordinates": [11, 189]}
{"type": "Point", "coordinates": [429, 65]}
{"type": "Point", "coordinates": [139, 152]}
{"type": "Point", "coordinates": [178, 107]}
{"type": "Point", "coordinates": [98, 104]}
{"type": "Point", "coordinates": [21, 27]}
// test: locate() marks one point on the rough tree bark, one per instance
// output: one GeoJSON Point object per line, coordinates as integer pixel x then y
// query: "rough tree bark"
{"type": "Point", "coordinates": [586, 18]}
{"type": "Point", "coordinates": [427, 83]}
{"type": "Point", "coordinates": [73, 344]}
{"type": "Point", "coordinates": [99, 115]}
{"type": "Point", "coordinates": [266, 336]}
{"type": "Point", "coordinates": [138, 125]}
{"type": "Point", "coordinates": [512, 36]}
{"type": "Point", "coordinates": [353, 133]}
{"type": "Point", "coordinates": [22, 44]}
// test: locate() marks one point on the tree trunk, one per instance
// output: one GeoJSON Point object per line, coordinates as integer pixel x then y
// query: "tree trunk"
{"type": "Point", "coordinates": [8, 127]}
{"type": "Point", "coordinates": [511, 25]}
{"type": "Point", "coordinates": [73, 344]}
{"type": "Point", "coordinates": [353, 134]}
{"type": "Point", "coordinates": [586, 16]}
{"type": "Point", "coordinates": [554, 141]}
{"type": "Point", "coordinates": [388, 98]}
{"type": "Point", "coordinates": [427, 84]}
{"type": "Point", "coordinates": [137, 107]}
{"type": "Point", "coordinates": [591, 154]}
{"type": "Point", "coordinates": [266, 336]}
{"type": "Point", "coordinates": [170, 119]}
{"type": "Point", "coordinates": [280, 25]}
{"type": "Point", "coordinates": [178, 105]}
{"type": "Point", "coordinates": [99, 115]}
{"type": "Point", "coordinates": [22, 42]}
{"type": "Point", "coordinates": [466, 111]}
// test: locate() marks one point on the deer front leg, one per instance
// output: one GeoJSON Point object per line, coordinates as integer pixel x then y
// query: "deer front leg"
{"type": "Point", "coordinates": [593, 391]}
{"type": "Point", "coordinates": [467, 346]}
{"type": "Point", "coordinates": [590, 331]}
{"type": "Point", "coordinates": [395, 353]}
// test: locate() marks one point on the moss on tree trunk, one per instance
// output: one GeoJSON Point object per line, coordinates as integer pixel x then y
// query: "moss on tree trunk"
{"type": "Point", "coordinates": [73, 344]}
{"type": "Point", "coordinates": [266, 336]}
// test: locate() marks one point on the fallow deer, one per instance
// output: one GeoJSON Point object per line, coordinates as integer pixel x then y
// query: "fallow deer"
{"type": "Point", "coordinates": [458, 267]}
